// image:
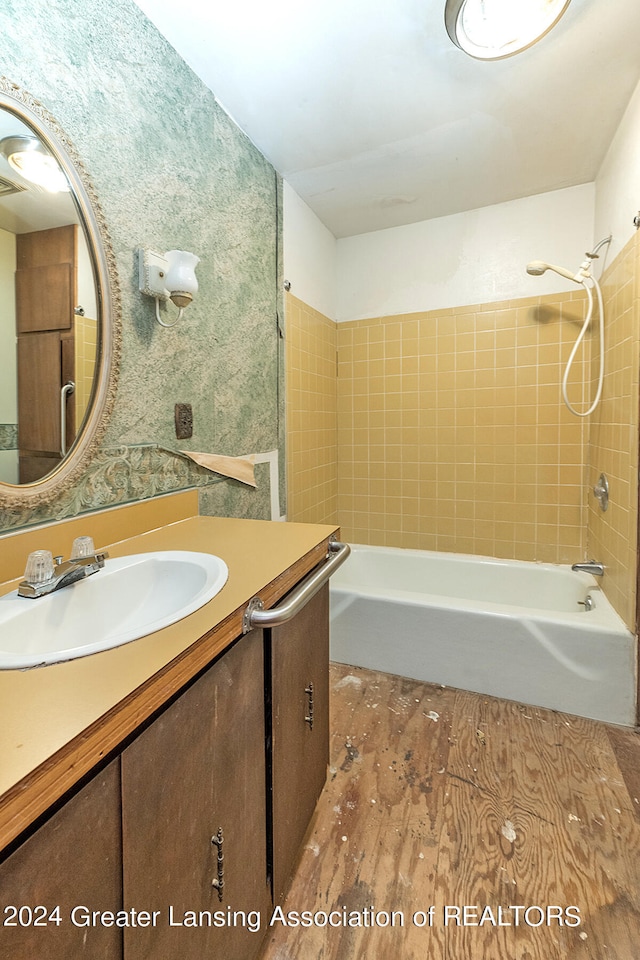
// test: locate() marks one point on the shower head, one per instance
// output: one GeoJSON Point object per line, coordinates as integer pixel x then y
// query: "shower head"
{"type": "Point", "coordinates": [537, 267]}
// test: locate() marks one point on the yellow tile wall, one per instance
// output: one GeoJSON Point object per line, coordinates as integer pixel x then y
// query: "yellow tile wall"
{"type": "Point", "coordinates": [612, 535]}
{"type": "Point", "coordinates": [448, 430]}
{"type": "Point", "coordinates": [310, 364]}
{"type": "Point", "coordinates": [452, 435]}
{"type": "Point", "coordinates": [86, 353]}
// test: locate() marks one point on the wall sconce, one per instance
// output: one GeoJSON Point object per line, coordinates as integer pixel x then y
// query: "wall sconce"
{"type": "Point", "coordinates": [169, 277]}
{"type": "Point", "coordinates": [31, 159]}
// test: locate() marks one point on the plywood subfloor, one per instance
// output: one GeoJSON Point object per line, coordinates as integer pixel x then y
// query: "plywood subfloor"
{"type": "Point", "coordinates": [446, 799]}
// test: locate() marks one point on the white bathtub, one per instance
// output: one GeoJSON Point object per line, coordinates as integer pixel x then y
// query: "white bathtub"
{"type": "Point", "coordinates": [500, 627]}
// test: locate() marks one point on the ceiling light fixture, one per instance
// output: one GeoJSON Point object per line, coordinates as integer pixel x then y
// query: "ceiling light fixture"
{"type": "Point", "coordinates": [494, 29]}
{"type": "Point", "coordinates": [30, 158]}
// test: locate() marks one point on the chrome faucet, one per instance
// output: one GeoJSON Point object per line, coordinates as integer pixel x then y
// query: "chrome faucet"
{"type": "Point", "coordinates": [590, 566]}
{"type": "Point", "coordinates": [44, 574]}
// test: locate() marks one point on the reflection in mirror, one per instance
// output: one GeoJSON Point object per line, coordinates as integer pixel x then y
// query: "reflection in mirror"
{"type": "Point", "coordinates": [56, 313]}
{"type": "Point", "coordinates": [48, 322]}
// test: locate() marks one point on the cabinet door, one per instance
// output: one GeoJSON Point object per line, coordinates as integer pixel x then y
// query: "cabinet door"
{"type": "Point", "coordinates": [300, 735]}
{"type": "Point", "coordinates": [72, 862]}
{"type": "Point", "coordinates": [46, 283]}
{"type": "Point", "coordinates": [198, 768]}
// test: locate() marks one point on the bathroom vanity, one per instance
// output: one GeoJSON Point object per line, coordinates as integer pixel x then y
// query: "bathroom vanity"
{"type": "Point", "coordinates": [154, 797]}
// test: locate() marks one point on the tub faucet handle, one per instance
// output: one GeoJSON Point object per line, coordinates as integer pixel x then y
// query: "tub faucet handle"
{"type": "Point", "coordinates": [601, 491]}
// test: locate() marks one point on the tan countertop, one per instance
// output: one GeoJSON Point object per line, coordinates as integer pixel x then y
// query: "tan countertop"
{"type": "Point", "coordinates": [58, 722]}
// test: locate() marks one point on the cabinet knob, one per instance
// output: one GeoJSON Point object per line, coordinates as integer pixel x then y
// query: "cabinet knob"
{"type": "Point", "coordinates": [218, 882]}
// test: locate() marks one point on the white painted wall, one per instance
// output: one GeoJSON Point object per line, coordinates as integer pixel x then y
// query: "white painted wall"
{"type": "Point", "coordinates": [618, 181]}
{"type": "Point", "coordinates": [467, 258]}
{"type": "Point", "coordinates": [86, 281]}
{"type": "Point", "coordinates": [474, 257]}
{"type": "Point", "coordinates": [309, 255]}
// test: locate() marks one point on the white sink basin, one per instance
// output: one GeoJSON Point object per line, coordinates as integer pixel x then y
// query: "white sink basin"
{"type": "Point", "coordinates": [128, 599]}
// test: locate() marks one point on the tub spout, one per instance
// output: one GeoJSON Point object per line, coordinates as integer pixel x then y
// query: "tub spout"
{"type": "Point", "coordinates": [591, 566]}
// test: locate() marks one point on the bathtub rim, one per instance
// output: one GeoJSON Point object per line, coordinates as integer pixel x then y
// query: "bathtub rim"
{"type": "Point", "coordinates": [605, 615]}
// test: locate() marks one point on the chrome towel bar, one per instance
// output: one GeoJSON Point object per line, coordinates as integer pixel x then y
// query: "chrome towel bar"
{"type": "Point", "coordinates": [256, 616]}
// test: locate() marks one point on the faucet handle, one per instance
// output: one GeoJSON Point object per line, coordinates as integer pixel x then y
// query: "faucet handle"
{"type": "Point", "coordinates": [39, 568]}
{"type": "Point", "coordinates": [82, 547]}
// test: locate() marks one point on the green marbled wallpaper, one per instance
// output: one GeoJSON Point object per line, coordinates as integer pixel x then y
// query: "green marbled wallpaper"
{"type": "Point", "coordinates": [171, 171]}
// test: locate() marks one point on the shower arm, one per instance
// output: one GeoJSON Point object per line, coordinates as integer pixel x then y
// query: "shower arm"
{"type": "Point", "coordinates": [594, 253]}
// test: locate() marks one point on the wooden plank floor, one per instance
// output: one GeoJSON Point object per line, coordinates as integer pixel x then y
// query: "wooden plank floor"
{"type": "Point", "coordinates": [445, 799]}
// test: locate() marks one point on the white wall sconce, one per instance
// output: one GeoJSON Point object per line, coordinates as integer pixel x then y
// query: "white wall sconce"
{"type": "Point", "coordinates": [169, 277]}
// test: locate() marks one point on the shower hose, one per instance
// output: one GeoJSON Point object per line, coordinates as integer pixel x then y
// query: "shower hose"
{"type": "Point", "coordinates": [589, 283]}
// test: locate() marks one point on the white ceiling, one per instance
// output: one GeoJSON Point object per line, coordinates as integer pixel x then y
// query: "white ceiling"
{"type": "Point", "coordinates": [376, 119]}
{"type": "Point", "coordinates": [33, 208]}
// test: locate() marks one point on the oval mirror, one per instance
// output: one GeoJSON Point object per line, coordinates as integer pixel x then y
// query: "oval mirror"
{"type": "Point", "coordinates": [59, 319]}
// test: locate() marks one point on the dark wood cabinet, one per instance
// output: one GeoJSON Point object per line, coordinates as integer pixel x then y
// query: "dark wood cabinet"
{"type": "Point", "coordinates": [188, 838]}
{"type": "Point", "coordinates": [197, 775]}
{"type": "Point", "coordinates": [67, 870]}
{"type": "Point", "coordinates": [300, 734]}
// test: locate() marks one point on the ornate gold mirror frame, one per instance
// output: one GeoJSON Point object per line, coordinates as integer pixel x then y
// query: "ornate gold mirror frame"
{"type": "Point", "coordinates": [75, 463]}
